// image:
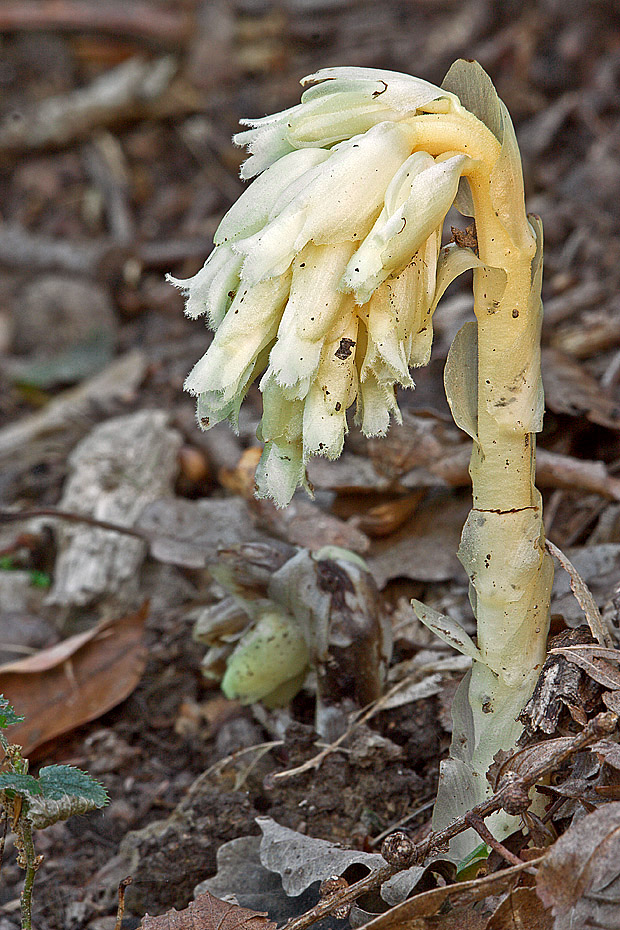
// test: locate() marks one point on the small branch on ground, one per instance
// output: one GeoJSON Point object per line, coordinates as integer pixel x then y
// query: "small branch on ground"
{"type": "Point", "coordinates": [122, 887]}
{"type": "Point", "coordinates": [140, 21]}
{"type": "Point", "coordinates": [10, 516]}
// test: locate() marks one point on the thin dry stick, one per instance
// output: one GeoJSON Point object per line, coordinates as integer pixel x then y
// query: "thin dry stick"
{"type": "Point", "coordinates": [122, 887]}
{"type": "Point", "coordinates": [134, 20]}
{"type": "Point", "coordinates": [10, 516]}
{"type": "Point", "coordinates": [477, 824]}
{"type": "Point", "coordinates": [602, 725]}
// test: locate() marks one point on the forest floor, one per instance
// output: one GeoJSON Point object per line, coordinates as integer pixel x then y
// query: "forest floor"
{"type": "Point", "coordinates": [124, 177]}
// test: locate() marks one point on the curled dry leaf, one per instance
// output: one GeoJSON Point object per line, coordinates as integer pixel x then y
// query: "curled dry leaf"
{"type": "Point", "coordinates": [77, 680]}
{"type": "Point", "coordinates": [579, 877]}
{"type": "Point", "coordinates": [520, 908]}
{"type": "Point", "coordinates": [461, 896]}
{"type": "Point", "coordinates": [209, 913]}
{"type": "Point", "coordinates": [584, 597]}
{"type": "Point", "coordinates": [571, 389]}
{"type": "Point", "coordinates": [602, 665]}
{"type": "Point", "coordinates": [561, 684]}
{"type": "Point", "coordinates": [302, 860]}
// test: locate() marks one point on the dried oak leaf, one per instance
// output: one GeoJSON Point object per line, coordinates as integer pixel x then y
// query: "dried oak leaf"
{"type": "Point", "coordinates": [77, 680]}
{"type": "Point", "coordinates": [209, 913]}
{"type": "Point", "coordinates": [580, 876]}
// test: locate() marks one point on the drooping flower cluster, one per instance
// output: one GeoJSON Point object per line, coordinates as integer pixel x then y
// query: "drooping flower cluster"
{"type": "Point", "coordinates": [323, 275]}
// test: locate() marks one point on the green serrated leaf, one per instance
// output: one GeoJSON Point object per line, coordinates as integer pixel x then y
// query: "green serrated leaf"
{"type": "Point", "coordinates": [8, 714]}
{"type": "Point", "coordinates": [57, 781]}
{"type": "Point", "coordinates": [19, 784]}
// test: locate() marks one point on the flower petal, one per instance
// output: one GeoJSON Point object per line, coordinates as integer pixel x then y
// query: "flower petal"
{"type": "Point", "coordinates": [251, 211]}
{"type": "Point", "coordinates": [352, 182]}
{"type": "Point", "coordinates": [282, 418]}
{"type": "Point", "coordinates": [266, 140]}
{"type": "Point", "coordinates": [211, 290]}
{"type": "Point", "coordinates": [280, 472]}
{"type": "Point", "coordinates": [402, 93]}
{"type": "Point", "coordinates": [331, 393]}
{"type": "Point", "coordinates": [214, 406]}
{"type": "Point", "coordinates": [376, 403]}
{"type": "Point", "coordinates": [407, 228]}
{"type": "Point", "coordinates": [250, 325]}
{"type": "Point", "coordinates": [313, 307]}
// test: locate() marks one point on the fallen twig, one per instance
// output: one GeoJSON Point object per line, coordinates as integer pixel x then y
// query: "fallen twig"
{"type": "Point", "coordinates": [13, 516]}
{"type": "Point", "coordinates": [124, 91]}
{"type": "Point", "coordinates": [122, 887]}
{"type": "Point", "coordinates": [142, 21]}
{"type": "Point", "coordinates": [601, 725]}
{"type": "Point", "coordinates": [20, 248]}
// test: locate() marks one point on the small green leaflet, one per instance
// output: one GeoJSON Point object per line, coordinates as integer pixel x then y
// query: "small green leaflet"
{"type": "Point", "coordinates": [8, 716]}
{"type": "Point", "coordinates": [20, 784]}
{"type": "Point", "coordinates": [56, 781]}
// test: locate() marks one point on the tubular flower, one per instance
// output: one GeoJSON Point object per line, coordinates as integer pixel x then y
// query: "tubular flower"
{"type": "Point", "coordinates": [323, 275]}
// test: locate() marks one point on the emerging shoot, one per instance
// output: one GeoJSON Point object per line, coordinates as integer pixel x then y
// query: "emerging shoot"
{"type": "Point", "coordinates": [323, 281]}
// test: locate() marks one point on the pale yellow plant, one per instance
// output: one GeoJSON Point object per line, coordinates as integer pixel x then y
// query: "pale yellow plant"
{"type": "Point", "coordinates": [324, 279]}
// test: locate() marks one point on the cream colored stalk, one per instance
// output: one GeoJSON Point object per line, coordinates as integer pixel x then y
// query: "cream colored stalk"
{"type": "Point", "coordinates": [326, 275]}
{"type": "Point", "coordinates": [501, 406]}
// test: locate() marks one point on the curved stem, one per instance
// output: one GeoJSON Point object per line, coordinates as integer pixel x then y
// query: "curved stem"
{"type": "Point", "coordinates": [502, 546]}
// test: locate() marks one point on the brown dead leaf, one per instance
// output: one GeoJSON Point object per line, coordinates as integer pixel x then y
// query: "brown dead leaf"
{"type": "Point", "coordinates": [240, 479]}
{"type": "Point", "coordinates": [580, 876]}
{"type": "Point", "coordinates": [65, 686]}
{"type": "Point", "coordinates": [584, 597]}
{"type": "Point", "coordinates": [571, 389]}
{"type": "Point", "coordinates": [209, 913]}
{"type": "Point", "coordinates": [525, 761]}
{"type": "Point", "coordinates": [520, 909]}
{"type": "Point", "coordinates": [602, 665]}
{"type": "Point", "coordinates": [385, 518]}
{"type": "Point", "coordinates": [608, 751]}
{"type": "Point", "coordinates": [460, 895]}
{"type": "Point", "coordinates": [424, 549]}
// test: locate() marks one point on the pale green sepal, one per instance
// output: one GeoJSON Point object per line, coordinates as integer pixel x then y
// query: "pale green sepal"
{"type": "Point", "coordinates": [447, 629]}
{"type": "Point", "coordinates": [270, 654]}
{"type": "Point", "coordinates": [461, 379]}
